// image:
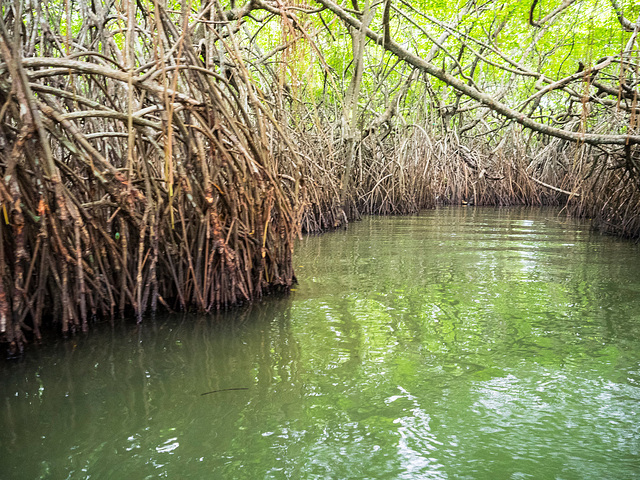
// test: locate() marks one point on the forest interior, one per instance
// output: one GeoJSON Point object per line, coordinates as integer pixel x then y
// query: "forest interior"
{"type": "Point", "coordinates": [165, 155]}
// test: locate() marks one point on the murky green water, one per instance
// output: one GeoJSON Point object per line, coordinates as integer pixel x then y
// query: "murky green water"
{"type": "Point", "coordinates": [461, 343]}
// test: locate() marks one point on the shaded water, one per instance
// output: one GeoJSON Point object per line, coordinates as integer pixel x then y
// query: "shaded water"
{"type": "Point", "coordinates": [461, 343]}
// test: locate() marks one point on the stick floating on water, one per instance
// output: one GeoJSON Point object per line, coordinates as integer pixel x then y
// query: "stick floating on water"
{"type": "Point", "coordinates": [225, 390]}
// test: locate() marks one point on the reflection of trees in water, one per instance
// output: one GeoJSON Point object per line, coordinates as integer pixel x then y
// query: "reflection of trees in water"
{"type": "Point", "coordinates": [136, 388]}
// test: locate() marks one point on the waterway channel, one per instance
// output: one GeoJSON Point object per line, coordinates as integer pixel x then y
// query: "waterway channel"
{"type": "Point", "coordinates": [461, 343]}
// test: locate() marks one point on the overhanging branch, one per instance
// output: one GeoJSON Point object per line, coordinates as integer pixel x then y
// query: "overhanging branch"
{"type": "Point", "coordinates": [472, 92]}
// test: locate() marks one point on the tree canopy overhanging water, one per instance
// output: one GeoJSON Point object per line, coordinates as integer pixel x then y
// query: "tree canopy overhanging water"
{"type": "Point", "coordinates": [164, 155]}
{"type": "Point", "coordinates": [458, 343]}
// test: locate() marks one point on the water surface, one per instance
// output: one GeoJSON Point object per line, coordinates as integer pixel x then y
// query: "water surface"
{"type": "Point", "coordinates": [460, 343]}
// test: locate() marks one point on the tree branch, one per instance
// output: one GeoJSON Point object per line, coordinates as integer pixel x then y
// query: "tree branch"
{"type": "Point", "coordinates": [627, 24]}
{"type": "Point", "coordinates": [549, 16]}
{"type": "Point", "coordinates": [470, 91]}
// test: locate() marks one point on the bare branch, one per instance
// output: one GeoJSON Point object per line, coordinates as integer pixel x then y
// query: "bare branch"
{"type": "Point", "coordinates": [488, 100]}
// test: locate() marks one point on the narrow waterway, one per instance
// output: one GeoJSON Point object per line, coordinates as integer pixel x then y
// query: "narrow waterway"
{"type": "Point", "coordinates": [461, 343]}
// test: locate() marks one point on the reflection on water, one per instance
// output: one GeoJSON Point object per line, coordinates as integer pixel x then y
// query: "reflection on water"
{"type": "Point", "coordinates": [460, 343]}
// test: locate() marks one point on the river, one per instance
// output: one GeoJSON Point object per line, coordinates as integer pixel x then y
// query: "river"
{"type": "Point", "coordinates": [466, 343]}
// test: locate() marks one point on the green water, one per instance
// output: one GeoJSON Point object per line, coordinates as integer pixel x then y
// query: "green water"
{"type": "Point", "coordinates": [463, 343]}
